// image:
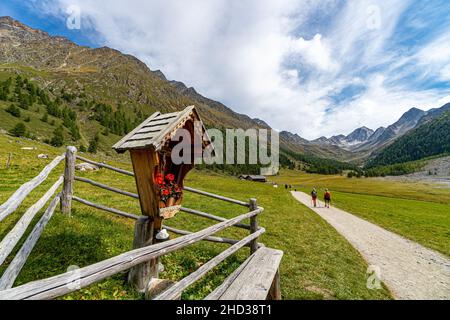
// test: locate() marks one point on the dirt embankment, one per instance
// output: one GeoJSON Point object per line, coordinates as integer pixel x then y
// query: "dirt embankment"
{"type": "Point", "coordinates": [435, 171]}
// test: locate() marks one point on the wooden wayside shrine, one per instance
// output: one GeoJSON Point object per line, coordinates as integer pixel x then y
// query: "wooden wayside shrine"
{"type": "Point", "coordinates": [160, 186]}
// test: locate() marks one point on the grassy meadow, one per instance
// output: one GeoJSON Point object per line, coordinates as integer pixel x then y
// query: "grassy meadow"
{"type": "Point", "coordinates": [418, 211]}
{"type": "Point", "coordinates": [318, 263]}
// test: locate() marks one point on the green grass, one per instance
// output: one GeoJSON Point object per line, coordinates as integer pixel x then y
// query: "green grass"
{"type": "Point", "coordinates": [425, 222]}
{"type": "Point", "coordinates": [430, 192]}
{"type": "Point", "coordinates": [318, 263]}
{"type": "Point", "coordinates": [420, 212]}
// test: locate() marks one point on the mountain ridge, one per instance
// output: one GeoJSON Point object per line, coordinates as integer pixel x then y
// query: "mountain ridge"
{"type": "Point", "coordinates": [114, 78]}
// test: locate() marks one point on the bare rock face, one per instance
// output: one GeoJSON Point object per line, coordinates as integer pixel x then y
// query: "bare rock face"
{"type": "Point", "coordinates": [86, 167]}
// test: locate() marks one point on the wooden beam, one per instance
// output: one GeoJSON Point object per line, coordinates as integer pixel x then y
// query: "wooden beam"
{"type": "Point", "coordinates": [103, 165]}
{"type": "Point", "coordinates": [140, 275]}
{"type": "Point", "coordinates": [105, 208]}
{"type": "Point", "coordinates": [104, 186]}
{"type": "Point", "coordinates": [17, 198]}
{"type": "Point", "coordinates": [16, 265]}
{"type": "Point", "coordinates": [144, 164]}
{"type": "Point", "coordinates": [10, 240]}
{"type": "Point", "coordinates": [210, 239]}
{"type": "Point", "coordinates": [69, 174]}
{"type": "Point", "coordinates": [174, 291]}
{"type": "Point", "coordinates": [253, 225]}
{"type": "Point", "coordinates": [58, 285]}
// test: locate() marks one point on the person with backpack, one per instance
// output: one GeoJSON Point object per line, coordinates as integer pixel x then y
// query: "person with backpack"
{"type": "Point", "coordinates": [314, 197]}
{"type": "Point", "coordinates": [327, 198]}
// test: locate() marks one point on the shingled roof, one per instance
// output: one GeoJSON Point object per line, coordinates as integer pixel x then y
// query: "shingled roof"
{"type": "Point", "coordinates": [157, 130]}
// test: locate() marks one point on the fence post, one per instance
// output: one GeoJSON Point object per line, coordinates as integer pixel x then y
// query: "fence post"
{"type": "Point", "coordinates": [140, 275]}
{"type": "Point", "coordinates": [69, 176]}
{"type": "Point", "coordinates": [253, 226]}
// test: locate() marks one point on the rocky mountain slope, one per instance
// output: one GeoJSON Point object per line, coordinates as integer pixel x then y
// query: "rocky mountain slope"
{"type": "Point", "coordinates": [107, 76]}
{"type": "Point", "coordinates": [364, 142]}
{"type": "Point", "coordinates": [431, 138]}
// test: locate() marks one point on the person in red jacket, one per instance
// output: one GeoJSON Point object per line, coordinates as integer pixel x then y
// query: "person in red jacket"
{"type": "Point", "coordinates": [327, 198]}
{"type": "Point", "coordinates": [314, 197]}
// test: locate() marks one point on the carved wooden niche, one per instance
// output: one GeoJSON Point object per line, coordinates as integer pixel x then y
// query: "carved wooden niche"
{"type": "Point", "coordinates": [159, 176]}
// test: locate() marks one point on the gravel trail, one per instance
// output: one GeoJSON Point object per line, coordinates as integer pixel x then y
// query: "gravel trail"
{"type": "Point", "coordinates": [410, 270]}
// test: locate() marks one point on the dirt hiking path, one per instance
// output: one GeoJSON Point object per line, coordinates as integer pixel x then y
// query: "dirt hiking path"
{"type": "Point", "coordinates": [410, 270]}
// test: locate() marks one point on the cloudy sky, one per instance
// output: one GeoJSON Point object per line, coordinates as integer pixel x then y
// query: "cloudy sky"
{"type": "Point", "coordinates": [308, 66]}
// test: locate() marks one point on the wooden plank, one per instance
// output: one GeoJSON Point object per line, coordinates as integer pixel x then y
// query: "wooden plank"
{"type": "Point", "coordinates": [118, 145]}
{"type": "Point", "coordinates": [17, 198]}
{"type": "Point", "coordinates": [174, 291]}
{"type": "Point", "coordinates": [212, 217]}
{"type": "Point", "coordinates": [69, 174]}
{"type": "Point", "coordinates": [220, 290]}
{"type": "Point", "coordinates": [254, 281]}
{"type": "Point", "coordinates": [275, 288]}
{"type": "Point", "coordinates": [16, 265]}
{"type": "Point", "coordinates": [104, 186]}
{"type": "Point", "coordinates": [215, 196]}
{"type": "Point", "coordinates": [10, 240]}
{"type": "Point", "coordinates": [253, 225]}
{"type": "Point", "coordinates": [105, 208]}
{"type": "Point", "coordinates": [58, 285]}
{"type": "Point", "coordinates": [103, 165]}
{"type": "Point", "coordinates": [210, 239]}
{"type": "Point", "coordinates": [159, 140]}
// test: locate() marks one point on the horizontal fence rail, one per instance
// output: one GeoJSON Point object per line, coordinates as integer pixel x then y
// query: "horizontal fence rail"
{"type": "Point", "coordinates": [12, 238]}
{"type": "Point", "coordinates": [17, 198]}
{"type": "Point", "coordinates": [59, 285]}
{"type": "Point", "coordinates": [212, 217]}
{"type": "Point", "coordinates": [215, 196]}
{"type": "Point", "coordinates": [104, 186]}
{"type": "Point", "coordinates": [210, 238]}
{"type": "Point", "coordinates": [104, 165]}
{"type": "Point", "coordinates": [14, 268]}
{"type": "Point", "coordinates": [129, 173]}
{"type": "Point", "coordinates": [105, 208]}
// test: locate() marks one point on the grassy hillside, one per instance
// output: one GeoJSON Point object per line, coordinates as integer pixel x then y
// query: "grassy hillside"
{"type": "Point", "coordinates": [417, 211]}
{"type": "Point", "coordinates": [318, 262]}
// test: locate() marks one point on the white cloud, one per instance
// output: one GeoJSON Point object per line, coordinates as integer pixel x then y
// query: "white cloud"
{"type": "Point", "coordinates": [248, 55]}
{"type": "Point", "coordinates": [314, 52]}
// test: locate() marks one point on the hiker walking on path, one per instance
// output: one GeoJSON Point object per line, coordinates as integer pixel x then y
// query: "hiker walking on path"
{"type": "Point", "coordinates": [314, 197]}
{"type": "Point", "coordinates": [327, 198]}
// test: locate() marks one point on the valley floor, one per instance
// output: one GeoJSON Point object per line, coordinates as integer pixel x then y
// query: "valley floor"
{"type": "Point", "coordinates": [410, 270]}
{"type": "Point", "coordinates": [318, 262]}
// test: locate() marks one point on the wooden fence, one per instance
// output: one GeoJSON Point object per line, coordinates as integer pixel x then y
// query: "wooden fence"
{"type": "Point", "coordinates": [62, 284]}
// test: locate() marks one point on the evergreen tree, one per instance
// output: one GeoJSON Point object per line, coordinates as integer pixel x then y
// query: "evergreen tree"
{"type": "Point", "coordinates": [58, 137]}
{"type": "Point", "coordinates": [93, 144]}
{"type": "Point", "coordinates": [19, 130]}
{"type": "Point", "coordinates": [13, 110]}
{"type": "Point", "coordinates": [44, 117]}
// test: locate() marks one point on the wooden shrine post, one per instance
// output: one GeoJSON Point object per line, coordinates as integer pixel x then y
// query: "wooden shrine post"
{"type": "Point", "coordinates": [150, 145]}
{"type": "Point", "coordinates": [144, 164]}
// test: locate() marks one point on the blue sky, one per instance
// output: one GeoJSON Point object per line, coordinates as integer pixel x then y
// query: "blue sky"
{"type": "Point", "coordinates": [311, 67]}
